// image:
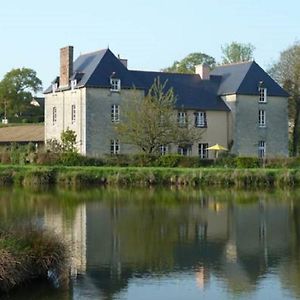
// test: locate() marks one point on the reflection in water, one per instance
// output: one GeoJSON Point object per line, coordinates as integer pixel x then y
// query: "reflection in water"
{"type": "Point", "coordinates": [162, 244]}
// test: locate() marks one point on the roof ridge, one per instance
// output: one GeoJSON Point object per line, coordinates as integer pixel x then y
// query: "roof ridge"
{"type": "Point", "coordinates": [168, 73]}
{"type": "Point", "coordinates": [236, 63]}
{"type": "Point", "coordinates": [93, 52]}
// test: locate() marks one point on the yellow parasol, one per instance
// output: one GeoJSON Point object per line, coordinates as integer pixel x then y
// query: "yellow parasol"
{"type": "Point", "coordinates": [217, 148]}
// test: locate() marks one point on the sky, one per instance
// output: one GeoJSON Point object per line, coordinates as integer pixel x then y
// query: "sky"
{"type": "Point", "coordinates": [151, 34]}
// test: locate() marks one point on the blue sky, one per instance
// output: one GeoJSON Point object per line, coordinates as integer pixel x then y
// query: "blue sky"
{"type": "Point", "coordinates": [151, 34]}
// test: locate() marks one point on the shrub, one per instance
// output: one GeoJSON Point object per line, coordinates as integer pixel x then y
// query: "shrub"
{"type": "Point", "coordinates": [247, 162]}
{"type": "Point", "coordinates": [46, 158]}
{"type": "Point", "coordinates": [169, 161]}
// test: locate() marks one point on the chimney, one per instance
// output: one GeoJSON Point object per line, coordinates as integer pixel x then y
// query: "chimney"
{"type": "Point", "coordinates": [124, 61]}
{"type": "Point", "coordinates": [66, 65]}
{"type": "Point", "coordinates": [202, 70]}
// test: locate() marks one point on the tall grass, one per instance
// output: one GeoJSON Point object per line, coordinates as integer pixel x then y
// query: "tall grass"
{"type": "Point", "coordinates": [27, 254]}
{"type": "Point", "coordinates": [138, 176]}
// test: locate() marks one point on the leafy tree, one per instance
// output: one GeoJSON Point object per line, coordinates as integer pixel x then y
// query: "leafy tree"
{"type": "Point", "coordinates": [237, 52]}
{"type": "Point", "coordinates": [16, 90]}
{"type": "Point", "coordinates": [287, 72]}
{"type": "Point", "coordinates": [187, 65]}
{"type": "Point", "coordinates": [68, 141]}
{"type": "Point", "coordinates": [151, 122]}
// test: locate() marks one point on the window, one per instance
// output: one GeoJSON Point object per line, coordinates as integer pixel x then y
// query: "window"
{"type": "Point", "coordinates": [262, 95]}
{"type": "Point", "coordinates": [114, 147]}
{"type": "Point", "coordinates": [163, 149]}
{"type": "Point", "coordinates": [261, 149]}
{"type": "Point", "coordinates": [115, 85]}
{"type": "Point", "coordinates": [73, 84]}
{"type": "Point", "coordinates": [200, 119]}
{"type": "Point", "coordinates": [115, 113]}
{"type": "Point", "coordinates": [182, 120]}
{"type": "Point", "coordinates": [262, 118]}
{"type": "Point", "coordinates": [184, 150]}
{"type": "Point", "coordinates": [73, 113]}
{"type": "Point", "coordinates": [54, 115]}
{"type": "Point", "coordinates": [54, 87]}
{"type": "Point", "coordinates": [203, 152]}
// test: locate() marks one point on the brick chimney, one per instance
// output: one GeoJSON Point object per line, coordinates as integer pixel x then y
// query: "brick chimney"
{"type": "Point", "coordinates": [66, 65]}
{"type": "Point", "coordinates": [203, 71]}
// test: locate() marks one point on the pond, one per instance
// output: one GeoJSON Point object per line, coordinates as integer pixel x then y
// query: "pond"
{"type": "Point", "coordinates": [142, 244]}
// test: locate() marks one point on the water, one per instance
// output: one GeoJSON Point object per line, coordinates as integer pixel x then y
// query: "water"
{"type": "Point", "coordinates": [145, 244]}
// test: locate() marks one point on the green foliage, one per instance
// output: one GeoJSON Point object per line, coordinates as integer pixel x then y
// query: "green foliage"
{"type": "Point", "coordinates": [187, 64]}
{"type": "Point", "coordinates": [68, 141]}
{"type": "Point", "coordinates": [247, 162]}
{"type": "Point", "coordinates": [16, 90]}
{"type": "Point", "coordinates": [287, 72]}
{"type": "Point", "coordinates": [237, 52]}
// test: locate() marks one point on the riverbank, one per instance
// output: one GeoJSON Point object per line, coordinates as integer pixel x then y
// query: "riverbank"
{"type": "Point", "coordinates": [29, 254]}
{"type": "Point", "coordinates": [30, 175]}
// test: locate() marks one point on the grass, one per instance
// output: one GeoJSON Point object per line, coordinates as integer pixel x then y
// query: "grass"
{"type": "Point", "coordinates": [30, 175]}
{"type": "Point", "coordinates": [27, 254]}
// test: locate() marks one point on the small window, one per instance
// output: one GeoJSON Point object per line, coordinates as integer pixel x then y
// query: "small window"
{"type": "Point", "coordinates": [115, 113]}
{"type": "Point", "coordinates": [261, 149]}
{"type": "Point", "coordinates": [115, 85]}
{"type": "Point", "coordinates": [114, 147]}
{"type": "Point", "coordinates": [185, 150]}
{"type": "Point", "coordinates": [203, 152]}
{"type": "Point", "coordinates": [54, 87]}
{"type": "Point", "coordinates": [182, 119]}
{"type": "Point", "coordinates": [54, 115]}
{"type": "Point", "coordinates": [200, 119]}
{"type": "Point", "coordinates": [73, 114]}
{"type": "Point", "coordinates": [163, 149]}
{"type": "Point", "coordinates": [262, 118]}
{"type": "Point", "coordinates": [262, 95]}
{"type": "Point", "coordinates": [73, 84]}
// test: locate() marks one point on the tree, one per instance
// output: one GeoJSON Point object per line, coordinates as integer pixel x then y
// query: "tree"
{"type": "Point", "coordinates": [237, 52]}
{"type": "Point", "coordinates": [287, 72]}
{"type": "Point", "coordinates": [187, 65]}
{"type": "Point", "coordinates": [16, 90]}
{"type": "Point", "coordinates": [150, 123]}
{"type": "Point", "coordinates": [68, 141]}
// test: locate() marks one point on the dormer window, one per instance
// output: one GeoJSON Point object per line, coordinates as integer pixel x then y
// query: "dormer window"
{"type": "Point", "coordinates": [115, 84]}
{"type": "Point", "coordinates": [54, 87]}
{"type": "Point", "coordinates": [73, 84]}
{"type": "Point", "coordinates": [262, 95]}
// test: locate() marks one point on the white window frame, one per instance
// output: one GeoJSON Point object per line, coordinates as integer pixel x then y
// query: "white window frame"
{"type": "Point", "coordinates": [115, 84]}
{"type": "Point", "coordinates": [262, 118]}
{"type": "Point", "coordinates": [262, 95]}
{"type": "Point", "coordinates": [114, 146]}
{"type": "Point", "coordinates": [262, 149]}
{"type": "Point", "coordinates": [182, 119]}
{"type": "Point", "coordinates": [200, 119]}
{"type": "Point", "coordinates": [203, 152]}
{"type": "Point", "coordinates": [73, 84]}
{"type": "Point", "coordinates": [54, 115]}
{"type": "Point", "coordinates": [163, 150]}
{"type": "Point", "coordinates": [73, 113]}
{"type": "Point", "coordinates": [115, 113]}
{"type": "Point", "coordinates": [54, 87]}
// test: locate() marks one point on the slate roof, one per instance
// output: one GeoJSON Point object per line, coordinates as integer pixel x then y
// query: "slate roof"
{"type": "Point", "coordinates": [95, 70]}
{"type": "Point", "coordinates": [244, 78]}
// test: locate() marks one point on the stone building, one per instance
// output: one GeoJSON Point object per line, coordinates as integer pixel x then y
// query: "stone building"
{"type": "Point", "coordinates": [238, 106]}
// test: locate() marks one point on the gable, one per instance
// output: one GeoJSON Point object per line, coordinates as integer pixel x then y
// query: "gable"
{"type": "Point", "coordinates": [244, 78]}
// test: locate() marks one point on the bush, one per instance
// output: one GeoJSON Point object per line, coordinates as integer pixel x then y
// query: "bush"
{"type": "Point", "coordinates": [46, 158]}
{"type": "Point", "coordinates": [169, 161]}
{"type": "Point", "coordinates": [247, 162]}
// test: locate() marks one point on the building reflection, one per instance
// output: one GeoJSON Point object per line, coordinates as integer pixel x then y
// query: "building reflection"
{"type": "Point", "coordinates": [114, 243]}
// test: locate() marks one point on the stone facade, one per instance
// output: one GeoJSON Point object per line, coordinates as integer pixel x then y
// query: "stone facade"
{"type": "Point", "coordinates": [245, 132]}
